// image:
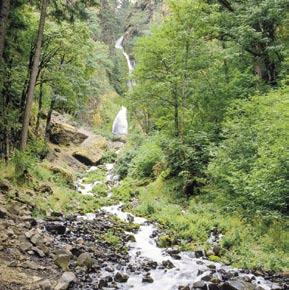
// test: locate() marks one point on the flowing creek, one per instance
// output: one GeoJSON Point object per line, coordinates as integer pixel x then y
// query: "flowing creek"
{"type": "Point", "coordinates": [154, 268]}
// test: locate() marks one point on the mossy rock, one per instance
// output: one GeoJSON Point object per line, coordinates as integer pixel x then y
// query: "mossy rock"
{"type": "Point", "coordinates": [214, 258]}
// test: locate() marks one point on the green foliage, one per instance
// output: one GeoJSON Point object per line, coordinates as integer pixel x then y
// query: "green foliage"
{"type": "Point", "coordinates": [94, 175]}
{"type": "Point", "coordinates": [188, 159]}
{"type": "Point", "coordinates": [124, 161]}
{"type": "Point", "coordinates": [112, 239]}
{"type": "Point", "coordinates": [258, 244]}
{"type": "Point", "coordinates": [251, 165]}
{"type": "Point", "coordinates": [100, 189]}
{"type": "Point", "coordinates": [148, 155]}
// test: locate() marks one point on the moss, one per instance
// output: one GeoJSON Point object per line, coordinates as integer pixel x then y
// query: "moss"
{"type": "Point", "coordinates": [214, 258]}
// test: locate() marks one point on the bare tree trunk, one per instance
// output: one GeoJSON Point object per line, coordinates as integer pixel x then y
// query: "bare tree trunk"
{"type": "Point", "coordinates": [5, 7]}
{"type": "Point", "coordinates": [176, 113]}
{"type": "Point", "coordinates": [49, 115]}
{"type": "Point", "coordinates": [39, 104]}
{"type": "Point", "coordinates": [33, 76]}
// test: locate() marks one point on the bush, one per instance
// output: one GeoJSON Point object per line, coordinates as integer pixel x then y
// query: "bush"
{"type": "Point", "coordinates": [124, 161]}
{"type": "Point", "coordinates": [251, 166]}
{"type": "Point", "coordinates": [148, 155]}
{"type": "Point", "coordinates": [188, 159]}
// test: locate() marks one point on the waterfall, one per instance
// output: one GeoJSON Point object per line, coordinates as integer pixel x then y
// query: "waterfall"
{"type": "Point", "coordinates": [118, 45]}
{"type": "Point", "coordinates": [120, 124]}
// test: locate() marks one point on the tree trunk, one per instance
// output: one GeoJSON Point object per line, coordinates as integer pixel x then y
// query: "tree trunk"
{"type": "Point", "coordinates": [39, 104]}
{"type": "Point", "coordinates": [49, 115]}
{"type": "Point", "coordinates": [177, 125]}
{"type": "Point", "coordinates": [5, 7]}
{"type": "Point", "coordinates": [33, 76]}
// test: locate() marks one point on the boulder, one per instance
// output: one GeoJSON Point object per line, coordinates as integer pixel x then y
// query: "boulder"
{"type": "Point", "coordinates": [85, 259]}
{"type": "Point", "coordinates": [91, 151]}
{"type": "Point", "coordinates": [200, 285]}
{"type": "Point", "coordinates": [237, 284]}
{"type": "Point", "coordinates": [56, 228]}
{"type": "Point", "coordinates": [65, 280]}
{"type": "Point", "coordinates": [168, 264]}
{"type": "Point", "coordinates": [65, 134]}
{"type": "Point", "coordinates": [120, 277]}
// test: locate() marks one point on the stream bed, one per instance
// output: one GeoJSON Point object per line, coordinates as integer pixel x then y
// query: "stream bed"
{"type": "Point", "coordinates": [149, 267]}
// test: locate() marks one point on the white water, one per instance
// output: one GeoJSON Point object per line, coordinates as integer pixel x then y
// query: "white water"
{"type": "Point", "coordinates": [120, 124]}
{"type": "Point", "coordinates": [118, 45]}
{"type": "Point", "coordinates": [188, 269]}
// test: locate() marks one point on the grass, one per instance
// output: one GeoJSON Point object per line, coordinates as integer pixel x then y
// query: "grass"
{"type": "Point", "coordinates": [91, 176]}
{"type": "Point", "coordinates": [254, 244]}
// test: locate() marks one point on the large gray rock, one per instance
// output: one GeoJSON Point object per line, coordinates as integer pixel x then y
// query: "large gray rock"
{"type": "Point", "coordinates": [65, 134]}
{"type": "Point", "coordinates": [66, 279]}
{"type": "Point", "coordinates": [237, 284]}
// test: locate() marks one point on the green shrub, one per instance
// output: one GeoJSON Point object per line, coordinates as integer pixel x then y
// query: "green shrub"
{"type": "Point", "coordinates": [124, 161]}
{"type": "Point", "coordinates": [251, 165]}
{"type": "Point", "coordinates": [148, 155]}
{"type": "Point", "coordinates": [188, 159]}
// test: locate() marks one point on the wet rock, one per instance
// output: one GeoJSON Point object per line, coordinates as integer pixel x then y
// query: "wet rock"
{"type": "Point", "coordinates": [199, 253]}
{"type": "Point", "coordinates": [147, 279]}
{"type": "Point", "coordinates": [184, 287]}
{"type": "Point", "coordinates": [65, 281]}
{"type": "Point", "coordinates": [85, 259]}
{"type": "Point", "coordinates": [56, 228]}
{"type": "Point", "coordinates": [200, 285]}
{"type": "Point", "coordinates": [213, 286]}
{"type": "Point", "coordinates": [168, 264]}
{"type": "Point", "coordinates": [120, 277]}
{"type": "Point", "coordinates": [212, 267]}
{"type": "Point", "coordinates": [237, 284]}
{"type": "Point", "coordinates": [207, 277]}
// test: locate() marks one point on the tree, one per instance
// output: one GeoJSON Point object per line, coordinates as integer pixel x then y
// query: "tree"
{"type": "Point", "coordinates": [33, 75]}
{"type": "Point", "coordinates": [4, 12]}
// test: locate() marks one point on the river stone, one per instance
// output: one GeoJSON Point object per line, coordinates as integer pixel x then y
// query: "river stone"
{"type": "Point", "coordinates": [66, 279]}
{"type": "Point", "coordinates": [120, 277]}
{"type": "Point", "coordinates": [184, 287]}
{"type": "Point", "coordinates": [168, 264]}
{"type": "Point", "coordinates": [200, 285]}
{"type": "Point", "coordinates": [237, 284]}
{"type": "Point", "coordinates": [147, 279]}
{"type": "Point", "coordinates": [199, 253]}
{"type": "Point", "coordinates": [62, 261]}
{"type": "Point", "coordinates": [85, 259]}
{"type": "Point", "coordinates": [56, 228]}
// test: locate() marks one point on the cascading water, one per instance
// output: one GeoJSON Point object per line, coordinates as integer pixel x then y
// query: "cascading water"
{"type": "Point", "coordinates": [153, 268]}
{"type": "Point", "coordinates": [120, 124]}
